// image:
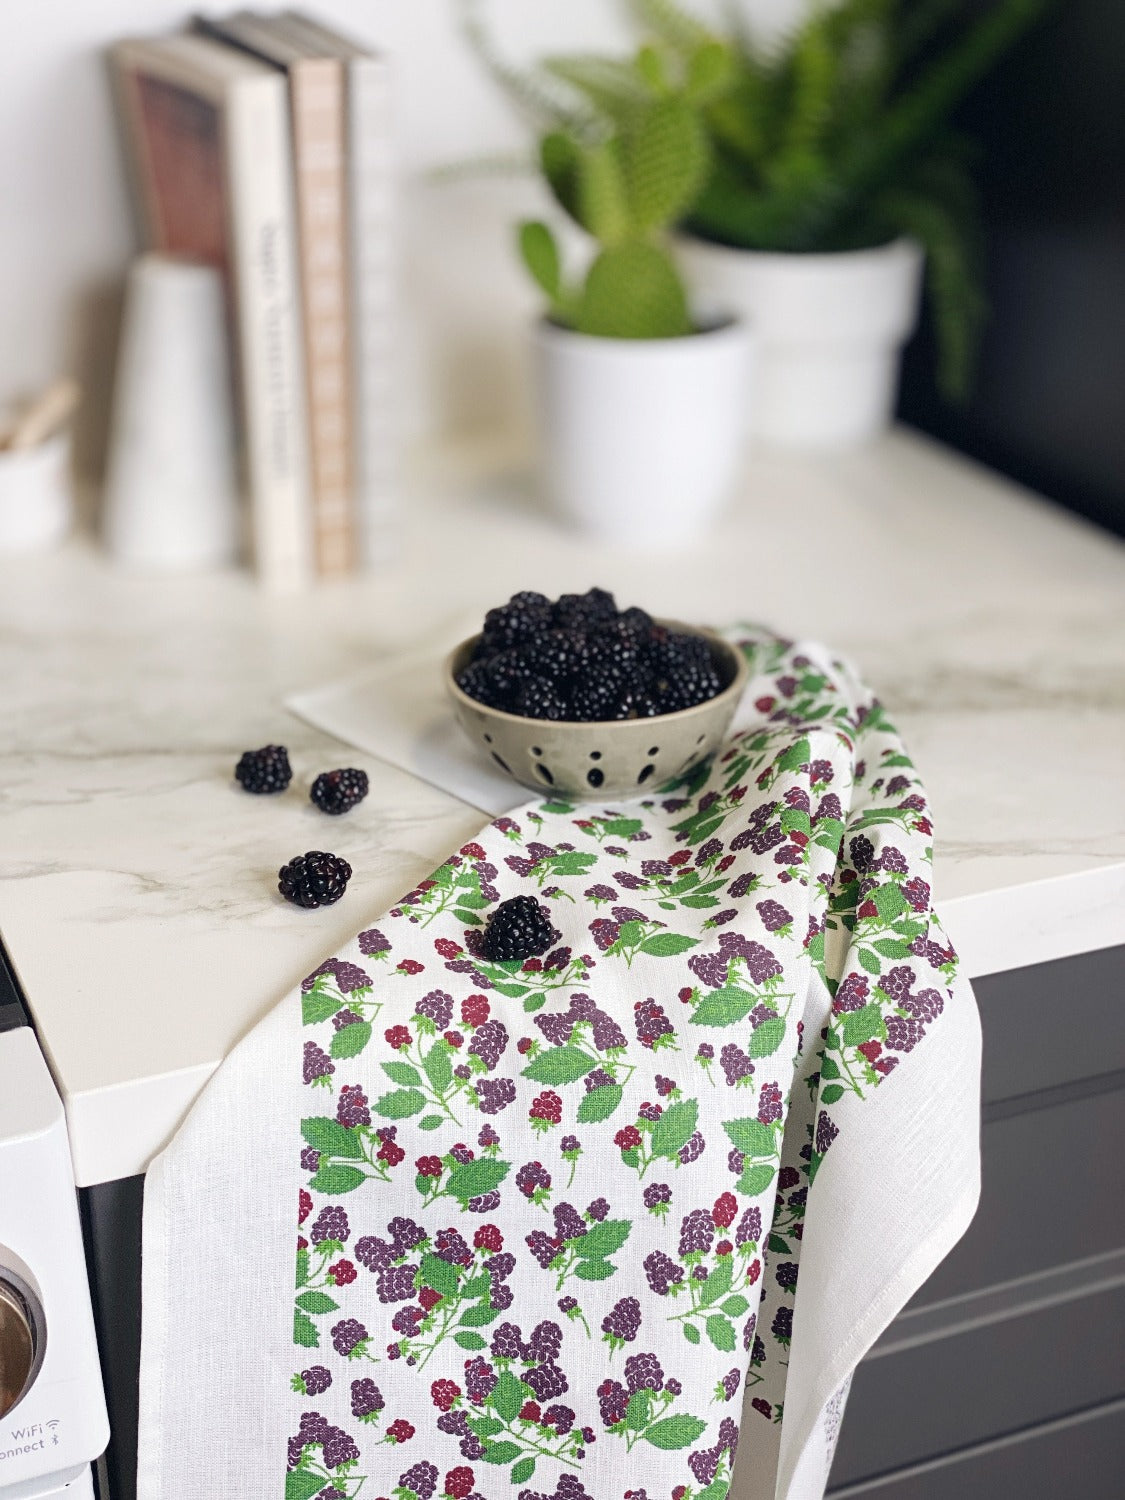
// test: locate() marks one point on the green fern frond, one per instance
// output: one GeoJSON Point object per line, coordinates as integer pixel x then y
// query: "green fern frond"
{"type": "Point", "coordinates": [921, 22]}
{"type": "Point", "coordinates": [489, 164]}
{"type": "Point", "coordinates": [674, 23]}
{"type": "Point", "coordinates": [534, 93]}
{"type": "Point", "coordinates": [912, 121]}
{"type": "Point", "coordinates": [861, 31]}
{"type": "Point", "coordinates": [953, 284]}
{"type": "Point", "coordinates": [813, 67]}
{"type": "Point", "coordinates": [612, 85]}
{"type": "Point", "coordinates": [796, 214]}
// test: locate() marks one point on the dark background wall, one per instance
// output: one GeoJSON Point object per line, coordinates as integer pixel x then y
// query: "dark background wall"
{"type": "Point", "coordinates": [1049, 403]}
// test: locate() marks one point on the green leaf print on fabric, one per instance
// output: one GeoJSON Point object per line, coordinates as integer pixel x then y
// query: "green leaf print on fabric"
{"type": "Point", "coordinates": [319, 1005]}
{"type": "Point", "coordinates": [401, 1104]}
{"type": "Point", "coordinates": [667, 944]}
{"type": "Point", "coordinates": [675, 1432]}
{"type": "Point", "coordinates": [336, 1177]}
{"type": "Point", "coordinates": [767, 1038]}
{"type": "Point", "coordinates": [331, 1138]}
{"type": "Point", "coordinates": [752, 1137]}
{"type": "Point", "coordinates": [302, 1486]}
{"type": "Point", "coordinates": [538, 1187]}
{"type": "Point", "coordinates": [304, 1331]}
{"type": "Point", "coordinates": [675, 1127]}
{"type": "Point", "coordinates": [350, 1041]}
{"type": "Point", "coordinates": [475, 1178]}
{"type": "Point", "coordinates": [599, 1103]}
{"type": "Point", "coordinates": [402, 1072]}
{"type": "Point", "coordinates": [724, 1007]}
{"type": "Point", "coordinates": [560, 1065]}
{"type": "Point", "coordinates": [754, 1180]}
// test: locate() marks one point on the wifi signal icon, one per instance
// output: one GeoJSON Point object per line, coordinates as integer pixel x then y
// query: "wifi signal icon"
{"type": "Point", "coordinates": [53, 1423]}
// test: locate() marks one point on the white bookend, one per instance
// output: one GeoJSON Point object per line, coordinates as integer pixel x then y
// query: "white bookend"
{"type": "Point", "coordinates": [210, 138]}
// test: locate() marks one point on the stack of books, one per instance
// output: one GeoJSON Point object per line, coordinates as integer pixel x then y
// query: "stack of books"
{"type": "Point", "coordinates": [261, 144]}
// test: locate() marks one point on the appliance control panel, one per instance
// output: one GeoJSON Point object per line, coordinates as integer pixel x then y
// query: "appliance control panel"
{"type": "Point", "coordinates": [52, 1406]}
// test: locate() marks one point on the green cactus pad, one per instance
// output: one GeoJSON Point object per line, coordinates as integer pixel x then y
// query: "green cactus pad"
{"type": "Point", "coordinates": [633, 291]}
{"type": "Point", "coordinates": [666, 162]}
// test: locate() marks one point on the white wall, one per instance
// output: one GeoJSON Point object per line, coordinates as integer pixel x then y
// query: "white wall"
{"type": "Point", "coordinates": [66, 234]}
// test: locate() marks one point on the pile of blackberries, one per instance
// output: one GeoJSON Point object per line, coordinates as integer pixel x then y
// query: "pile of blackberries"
{"type": "Point", "coordinates": [316, 878]}
{"type": "Point", "coordinates": [581, 658]}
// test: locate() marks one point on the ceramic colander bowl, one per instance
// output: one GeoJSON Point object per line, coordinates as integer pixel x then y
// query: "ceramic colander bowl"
{"type": "Point", "coordinates": [612, 759]}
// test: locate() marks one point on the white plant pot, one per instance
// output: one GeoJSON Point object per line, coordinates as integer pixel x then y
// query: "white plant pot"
{"type": "Point", "coordinates": [641, 438]}
{"type": "Point", "coordinates": [829, 331]}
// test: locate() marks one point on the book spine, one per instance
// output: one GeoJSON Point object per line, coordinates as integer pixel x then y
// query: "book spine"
{"type": "Point", "coordinates": [317, 99]}
{"type": "Point", "coordinates": [374, 285]}
{"type": "Point", "coordinates": [259, 170]}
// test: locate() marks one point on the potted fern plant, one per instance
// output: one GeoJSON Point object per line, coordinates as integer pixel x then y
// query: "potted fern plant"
{"type": "Point", "coordinates": [642, 399]}
{"type": "Point", "coordinates": [833, 175]}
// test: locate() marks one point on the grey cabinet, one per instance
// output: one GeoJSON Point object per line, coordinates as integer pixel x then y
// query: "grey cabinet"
{"type": "Point", "coordinates": [1005, 1376]}
{"type": "Point", "coordinates": [1006, 1373]}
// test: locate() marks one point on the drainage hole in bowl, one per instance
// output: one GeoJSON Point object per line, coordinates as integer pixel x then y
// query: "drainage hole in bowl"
{"type": "Point", "coordinates": [503, 764]}
{"type": "Point", "coordinates": [595, 755]}
{"type": "Point", "coordinates": [541, 770]}
{"type": "Point", "coordinates": [488, 739]}
{"type": "Point", "coordinates": [655, 750]}
{"type": "Point", "coordinates": [595, 776]}
{"type": "Point", "coordinates": [646, 772]}
{"type": "Point", "coordinates": [701, 738]}
{"type": "Point", "coordinates": [535, 750]}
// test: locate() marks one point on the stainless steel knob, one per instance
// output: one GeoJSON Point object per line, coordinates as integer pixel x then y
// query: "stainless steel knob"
{"type": "Point", "coordinates": [18, 1340]}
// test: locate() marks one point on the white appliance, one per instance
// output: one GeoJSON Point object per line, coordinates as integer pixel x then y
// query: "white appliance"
{"type": "Point", "coordinates": [53, 1421]}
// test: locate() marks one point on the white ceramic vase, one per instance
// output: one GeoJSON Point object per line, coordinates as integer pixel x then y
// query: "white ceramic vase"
{"type": "Point", "coordinates": [829, 331]}
{"type": "Point", "coordinates": [171, 497]}
{"type": "Point", "coordinates": [641, 438]}
{"type": "Point", "coordinates": [35, 497]}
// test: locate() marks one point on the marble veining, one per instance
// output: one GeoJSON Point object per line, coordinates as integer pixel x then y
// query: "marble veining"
{"type": "Point", "coordinates": [137, 883]}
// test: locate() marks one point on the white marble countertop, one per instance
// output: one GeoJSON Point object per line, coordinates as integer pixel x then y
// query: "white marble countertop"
{"type": "Point", "coordinates": [137, 882]}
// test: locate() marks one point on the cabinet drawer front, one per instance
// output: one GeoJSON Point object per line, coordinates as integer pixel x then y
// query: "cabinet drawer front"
{"type": "Point", "coordinates": [1082, 1455]}
{"type": "Point", "coordinates": [923, 1401]}
{"type": "Point", "coordinates": [1053, 1191]}
{"type": "Point", "coordinates": [1052, 1024]}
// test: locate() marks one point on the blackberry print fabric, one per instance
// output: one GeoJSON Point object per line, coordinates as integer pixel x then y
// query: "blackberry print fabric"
{"type": "Point", "coordinates": [616, 1223]}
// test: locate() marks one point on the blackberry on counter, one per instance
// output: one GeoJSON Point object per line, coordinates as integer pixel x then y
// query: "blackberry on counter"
{"type": "Point", "coordinates": [314, 879]}
{"type": "Point", "coordinates": [336, 792]}
{"type": "Point", "coordinates": [265, 770]}
{"type": "Point", "coordinates": [519, 928]}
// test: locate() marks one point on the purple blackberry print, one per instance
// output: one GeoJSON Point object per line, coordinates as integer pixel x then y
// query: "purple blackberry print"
{"type": "Point", "coordinates": [552, 1209]}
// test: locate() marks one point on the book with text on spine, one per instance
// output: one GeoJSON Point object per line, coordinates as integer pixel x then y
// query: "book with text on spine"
{"type": "Point", "coordinates": [207, 132]}
{"type": "Point", "coordinates": [317, 105]}
{"type": "Point", "coordinates": [374, 280]}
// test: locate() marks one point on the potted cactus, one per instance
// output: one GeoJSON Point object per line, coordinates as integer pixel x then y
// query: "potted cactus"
{"type": "Point", "coordinates": [832, 176]}
{"type": "Point", "coordinates": [642, 396]}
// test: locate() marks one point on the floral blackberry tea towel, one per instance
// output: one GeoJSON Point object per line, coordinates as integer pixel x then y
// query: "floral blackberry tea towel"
{"type": "Point", "coordinates": [584, 1228]}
